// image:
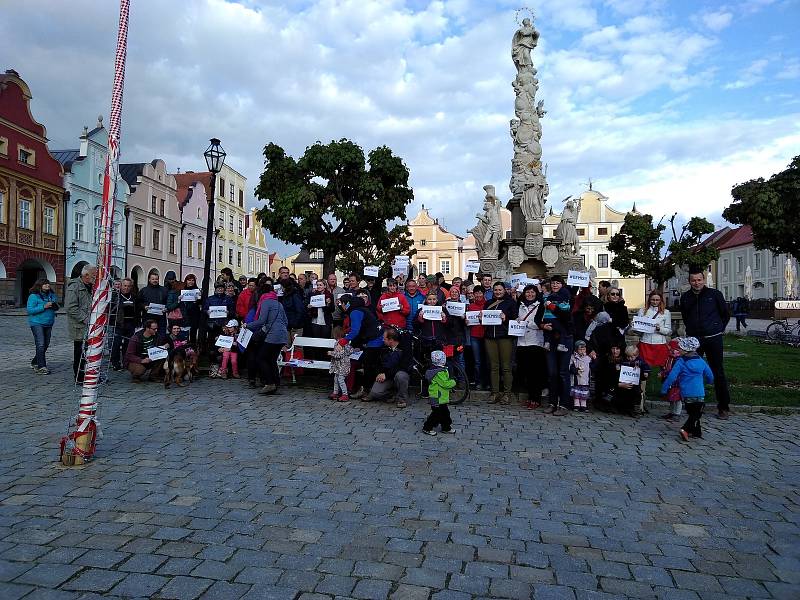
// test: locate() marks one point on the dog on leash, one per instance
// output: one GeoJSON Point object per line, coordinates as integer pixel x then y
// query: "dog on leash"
{"type": "Point", "coordinates": [181, 364]}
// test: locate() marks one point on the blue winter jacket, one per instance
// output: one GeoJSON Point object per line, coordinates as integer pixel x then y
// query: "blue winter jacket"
{"type": "Point", "coordinates": [414, 302]}
{"type": "Point", "coordinates": [37, 313]}
{"type": "Point", "coordinates": [690, 372]}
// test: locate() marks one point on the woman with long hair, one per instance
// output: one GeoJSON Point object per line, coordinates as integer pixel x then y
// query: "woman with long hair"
{"type": "Point", "coordinates": [499, 345]}
{"type": "Point", "coordinates": [531, 355]}
{"type": "Point", "coordinates": [191, 309]}
{"type": "Point", "coordinates": [42, 306]}
{"type": "Point", "coordinates": [654, 347]}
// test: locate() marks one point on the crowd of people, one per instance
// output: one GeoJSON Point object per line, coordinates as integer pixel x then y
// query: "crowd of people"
{"type": "Point", "coordinates": [566, 343]}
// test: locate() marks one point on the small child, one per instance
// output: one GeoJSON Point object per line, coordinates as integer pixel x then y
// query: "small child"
{"type": "Point", "coordinates": [439, 385]}
{"type": "Point", "coordinates": [579, 366]}
{"type": "Point", "coordinates": [340, 368]}
{"type": "Point", "coordinates": [674, 392]}
{"type": "Point", "coordinates": [229, 355]}
{"type": "Point", "coordinates": [690, 371]}
{"type": "Point", "coordinates": [629, 395]}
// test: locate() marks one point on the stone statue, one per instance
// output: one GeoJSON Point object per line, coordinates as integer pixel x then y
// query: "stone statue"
{"type": "Point", "coordinates": [534, 195]}
{"type": "Point", "coordinates": [488, 231]}
{"type": "Point", "coordinates": [567, 230]}
{"type": "Point", "coordinates": [524, 41]}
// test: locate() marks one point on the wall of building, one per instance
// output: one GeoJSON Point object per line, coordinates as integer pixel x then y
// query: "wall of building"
{"type": "Point", "coordinates": [437, 250]}
{"type": "Point", "coordinates": [230, 200]}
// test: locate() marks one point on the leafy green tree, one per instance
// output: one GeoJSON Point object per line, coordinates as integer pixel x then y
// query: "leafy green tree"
{"type": "Point", "coordinates": [332, 198]}
{"type": "Point", "coordinates": [381, 253]}
{"type": "Point", "coordinates": [640, 247]}
{"type": "Point", "coordinates": [772, 209]}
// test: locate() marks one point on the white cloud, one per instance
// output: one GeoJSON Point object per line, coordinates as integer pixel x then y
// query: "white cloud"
{"type": "Point", "coordinates": [716, 20]}
{"type": "Point", "coordinates": [751, 75]}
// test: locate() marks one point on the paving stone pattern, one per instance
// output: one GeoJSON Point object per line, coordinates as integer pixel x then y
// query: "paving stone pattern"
{"type": "Point", "coordinates": [211, 491]}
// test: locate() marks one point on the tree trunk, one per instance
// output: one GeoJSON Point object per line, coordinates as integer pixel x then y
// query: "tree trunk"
{"type": "Point", "coordinates": [329, 264]}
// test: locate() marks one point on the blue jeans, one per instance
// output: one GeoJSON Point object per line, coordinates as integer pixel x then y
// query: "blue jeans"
{"type": "Point", "coordinates": [41, 337]}
{"type": "Point", "coordinates": [558, 366]}
{"type": "Point", "coordinates": [477, 349]}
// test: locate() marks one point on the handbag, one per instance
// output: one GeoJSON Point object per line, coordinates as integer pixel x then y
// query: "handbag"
{"type": "Point", "coordinates": [176, 314]}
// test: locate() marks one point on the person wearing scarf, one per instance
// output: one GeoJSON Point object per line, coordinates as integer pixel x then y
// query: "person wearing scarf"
{"type": "Point", "coordinates": [531, 355]}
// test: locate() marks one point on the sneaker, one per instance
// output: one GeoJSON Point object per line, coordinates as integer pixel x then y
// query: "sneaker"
{"type": "Point", "coordinates": [268, 389]}
{"type": "Point", "coordinates": [429, 432]}
{"type": "Point", "coordinates": [450, 431]}
{"type": "Point", "coordinates": [684, 435]}
{"type": "Point", "coordinates": [560, 412]}
{"type": "Point", "coordinates": [43, 371]}
{"type": "Point", "coordinates": [343, 398]}
{"type": "Point", "coordinates": [401, 404]}
{"type": "Point", "coordinates": [33, 366]}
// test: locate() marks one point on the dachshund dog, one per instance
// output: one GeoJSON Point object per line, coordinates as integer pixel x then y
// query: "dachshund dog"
{"type": "Point", "coordinates": [182, 364]}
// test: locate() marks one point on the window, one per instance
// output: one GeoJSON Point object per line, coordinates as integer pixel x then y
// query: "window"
{"type": "Point", "coordinates": [200, 250]}
{"type": "Point", "coordinates": [156, 239]}
{"type": "Point", "coordinates": [239, 259]}
{"type": "Point", "coordinates": [230, 256]}
{"type": "Point", "coordinates": [80, 226]}
{"type": "Point", "coordinates": [161, 209]}
{"type": "Point", "coordinates": [738, 264]}
{"type": "Point", "coordinates": [27, 157]}
{"type": "Point", "coordinates": [153, 202]}
{"type": "Point", "coordinates": [241, 198]}
{"type": "Point", "coordinates": [4, 146]}
{"type": "Point", "coordinates": [422, 267]}
{"type": "Point", "coordinates": [581, 232]}
{"type": "Point", "coordinates": [2, 206]}
{"type": "Point", "coordinates": [241, 227]}
{"type": "Point", "coordinates": [220, 255]}
{"type": "Point", "coordinates": [115, 234]}
{"type": "Point", "coordinates": [774, 256]}
{"type": "Point", "coordinates": [199, 216]}
{"type": "Point", "coordinates": [190, 249]}
{"type": "Point", "coordinates": [25, 214]}
{"type": "Point", "coordinates": [221, 190]}
{"type": "Point", "coordinates": [230, 195]}
{"type": "Point", "coordinates": [137, 235]}
{"type": "Point", "coordinates": [774, 287]}
{"type": "Point", "coordinates": [49, 220]}
{"type": "Point", "coordinates": [172, 243]}
{"type": "Point", "coordinates": [250, 263]}
{"type": "Point", "coordinates": [583, 259]}
{"type": "Point", "coordinates": [230, 223]}
{"type": "Point", "coordinates": [602, 261]}
{"type": "Point", "coordinates": [317, 255]}
{"type": "Point", "coordinates": [444, 266]}
{"type": "Point", "coordinates": [757, 258]}
{"type": "Point", "coordinates": [725, 266]}
{"type": "Point", "coordinates": [97, 230]}
{"type": "Point", "coordinates": [602, 231]}
{"type": "Point", "coordinates": [423, 242]}
{"type": "Point", "coordinates": [221, 218]}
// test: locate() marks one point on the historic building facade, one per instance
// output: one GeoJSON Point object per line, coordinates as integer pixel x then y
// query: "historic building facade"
{"type": "Point", "coordinates": [438, 250]}
{"type": "Point", "coordinates": [230, 212]}
{"type": "Point", "coordinates": [193, 218]}
{"type": "Point", "coordinates": [31, 198]}
{"type": "Point", "coordinates": [84, 170]}
{"type": "Point", "coordinates": [153, 223]}
{"type": "Point", "coordinates": [255, 246]}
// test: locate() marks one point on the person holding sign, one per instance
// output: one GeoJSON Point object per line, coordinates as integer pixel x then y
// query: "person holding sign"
{"type": "Point", "coordinates": [190, 305]}
{"type": "Point", "coordinates": [653, 346]}
{"type": "Point", "coordinates": [433, 331]}
{"type": "Point", "coordinates": [156, 294]}
{"type": "Point", "coordinates": [480, 373]}
{"type": "Point", "coordinates": [499, 346]}
{"type": "Point", "coordinates": [137, 359]}
{"type": "Point", "coordinates": [228, 348]}
{"type": "Point", "coordinates": [218, 309]}
{"type": "Point", "coordinates": [629, 392]}
{"type": "Point", "coordinates": [320, 311]}
{"type": "Point", "coordinates": [455, 311]}
{"type": "Point", "coordinates": [531, 355]}
{"type": "Point", "coordinates": [690, 372]}
{"type": "Point", "coordinates": [556, 321]}
{"type": "Point", "coordinates": [392, 307]}
{"type": "Point", "coordinates": [615, 307]}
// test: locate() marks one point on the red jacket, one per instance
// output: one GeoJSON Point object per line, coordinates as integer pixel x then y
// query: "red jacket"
{"type": "Point", "coordinates": [243, 303]}
{"type": "Point", "coordinates": [476, 331]}
{"type": "Point", "coordinates": [397, 318]}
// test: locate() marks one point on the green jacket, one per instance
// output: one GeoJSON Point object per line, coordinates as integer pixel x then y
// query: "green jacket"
{"type": "Point", "coordinates": [78, 304]}
{"type": "Point", "coordinates": [440, 386]}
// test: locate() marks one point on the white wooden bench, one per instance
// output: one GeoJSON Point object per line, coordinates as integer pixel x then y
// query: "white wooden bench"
{"type": "Point", "coordinates": [305, 363]}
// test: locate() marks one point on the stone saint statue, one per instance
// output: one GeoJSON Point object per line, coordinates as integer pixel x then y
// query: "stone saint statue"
{"type": "Point", "coordinates": [489, 229]}
{"type": "Point", "coordinates": [567, 231]}
{"type": "Point", "coordinates": [534, 196]}
{"type": "Point", "coordinates": [523, 43]}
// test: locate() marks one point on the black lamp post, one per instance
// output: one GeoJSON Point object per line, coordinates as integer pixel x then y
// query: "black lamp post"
{"type": "Point", "coordinates": [215, 158]}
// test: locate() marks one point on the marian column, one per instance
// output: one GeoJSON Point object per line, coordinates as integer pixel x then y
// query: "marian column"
{"type": "Point", "coordinates": [528, 179]}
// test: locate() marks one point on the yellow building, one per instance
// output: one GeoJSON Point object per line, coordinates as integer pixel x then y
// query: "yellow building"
{"type": "Point", "coordinates": [230, 209]}
{"type": "Point", "coordinates": [255, 246]}
{"type": "Point", "coordinates": [469, 248]}
{"type": "Point", "coordinates": [438, 250]}
{"type": "Point", "coordinates": [597, 222]}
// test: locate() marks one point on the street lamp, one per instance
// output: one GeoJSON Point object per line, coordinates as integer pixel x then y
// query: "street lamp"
{"type": "Point", "coordinates": [215, 158]}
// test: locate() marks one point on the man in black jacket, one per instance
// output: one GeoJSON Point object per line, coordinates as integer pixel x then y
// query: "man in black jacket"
{"type": "Point", "coordinates": [705, 315]}
{"type": "Point", "coordinates": [153, 293]}
{"type": "Point", "coordinates": [393, 375]}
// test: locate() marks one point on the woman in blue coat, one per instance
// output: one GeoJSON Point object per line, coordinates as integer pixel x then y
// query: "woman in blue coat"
{"type": "Point", "coordinates": [42, 307]}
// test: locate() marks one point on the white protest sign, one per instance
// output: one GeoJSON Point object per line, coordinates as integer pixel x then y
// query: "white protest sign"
{"type": "Point", "coordinates": [529, 281]}
{"type": "Point", "coordinates": [317, 301]}
{"type": "Point", "coordinates": [157, 353]}
{"type": "Point", "coordinates": [491, 317]}
{"type": "Point", "coordinates": [629, 375]}
{"type": "Point", "coordinates": [473, 317]}
{"type": "Point", "coordinates": [518, 278]}
{"type": "Point", "coordinates": [401, 261]}
{"type": "Point", "coordinates": [356, 355]}
{"type": "Point", "coordinates": [472, 266]}
{"type": "Point", "coordinates": [432, 313]}
{"type": "Point", "coordinates": [578, 278]}
{"type": "Point", "coordinates": [390, 304]}
{"type": "Point", "coordinates": [224, 341]}
{"type": "Point", "coordinates": [517, 328]}
{"type": "Point", "coordinates": [644, 325]}
{"type": "Point", "coordinates": [217, 312]}
{"type": "Point", "coordinates": [155, 309]}
{"type": "Point", "coordinates": [787, 304]}
{"type": "Point", "coordinates": [244, 337]}
{"type": "Point", "coordinates": [278, 289]}
{"type": "Point", "coordinates": [456, 309]}
{"type": "Point", "coordinates": [190, 295]}
{"type": "Point", "coordinates": [402, 270]}
{"type": "Point", "coordinates": [371, 271]}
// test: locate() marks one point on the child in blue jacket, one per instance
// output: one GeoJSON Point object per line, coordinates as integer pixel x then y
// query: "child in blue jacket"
{"type": "Point", "coordinates": [690, 371]}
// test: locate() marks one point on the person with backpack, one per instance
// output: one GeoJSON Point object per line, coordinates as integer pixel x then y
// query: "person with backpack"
{"type": "Point", "coordinates": [365, 334]}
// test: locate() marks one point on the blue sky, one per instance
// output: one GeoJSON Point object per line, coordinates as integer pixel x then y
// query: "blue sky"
{"type": "Point", "coordinates": [663, 103]}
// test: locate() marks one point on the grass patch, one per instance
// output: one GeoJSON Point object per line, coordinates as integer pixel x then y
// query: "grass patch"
{"type": "Point", "coordinates": [767, 374]}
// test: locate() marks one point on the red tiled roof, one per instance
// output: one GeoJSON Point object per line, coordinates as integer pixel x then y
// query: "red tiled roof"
{"type": "Point", "coordinates": [738, 237]}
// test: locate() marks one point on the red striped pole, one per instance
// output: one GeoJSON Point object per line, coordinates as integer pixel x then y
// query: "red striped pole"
{"type": "Point", "coordinates": [86, 432]}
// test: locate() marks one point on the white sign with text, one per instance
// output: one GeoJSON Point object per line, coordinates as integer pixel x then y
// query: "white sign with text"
{"type": "Point", "coordinates": [629, 375]}
{"type": "Point", "coordinates": [217, 312]}
{"type": "Point", "coordinates": [473, 317]}
{"type": "Point", "coordinates": [390, 304]}
{"type": "Point", "coordinates": [578, 278]}
{"type": "Point", "coordinates": [456, 309]}
{"type": "Point", "coordinates": [155, 309]}
{"type": "Point", "coordinates": [371, 271]}
{"type": "Point", "coordinates": [432, 313]}
{"type": "Point", "coordinates": [517, 328]}
{"type": "Point", "coordinates": [244, 337]}
{"type": "Point", "coordinates": [644, 325]}
{"type": "Point", "coordinates": [224, 341]}
{"type": "Point", "coordinates": [472, 266]}
{"type": "Point", "coordinates": [190, 295]}
{"type": "Point", "coordinates": [157, 353]}
{"type": "Point", "coordinates": [491, 317]}
{"type": "Point", "coordinates": [317, 301]}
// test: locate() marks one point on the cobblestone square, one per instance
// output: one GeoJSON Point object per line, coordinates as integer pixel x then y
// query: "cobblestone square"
{"type": "Point", "coordinates": [212, 491]}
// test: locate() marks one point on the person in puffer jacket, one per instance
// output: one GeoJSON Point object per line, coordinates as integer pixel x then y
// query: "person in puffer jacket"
{"type": "Point", "coordinates": [691, 372]}
{"type": "Point", "coordinates": [439, 385]}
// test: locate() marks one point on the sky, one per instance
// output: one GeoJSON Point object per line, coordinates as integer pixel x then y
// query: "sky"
{"type": "Point", "coordinates": [665, 103]}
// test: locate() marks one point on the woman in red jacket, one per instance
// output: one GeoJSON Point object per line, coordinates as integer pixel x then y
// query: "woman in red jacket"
{"type": "Point", "coordinates": [398, 318]}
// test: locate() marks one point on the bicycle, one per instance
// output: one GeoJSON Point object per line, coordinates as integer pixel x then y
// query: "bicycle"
{"type": "Point", "coordinates": [781, 329]}
{"type": "Point", "coordinates": [421, 362]}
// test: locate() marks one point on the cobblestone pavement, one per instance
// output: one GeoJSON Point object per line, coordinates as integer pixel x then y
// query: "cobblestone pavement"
{"type": "Point", "coordinates": [211, 491]}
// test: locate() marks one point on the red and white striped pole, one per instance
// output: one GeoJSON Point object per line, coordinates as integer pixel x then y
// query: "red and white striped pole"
{"type": "Point", "coordinates": [80, 444]}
